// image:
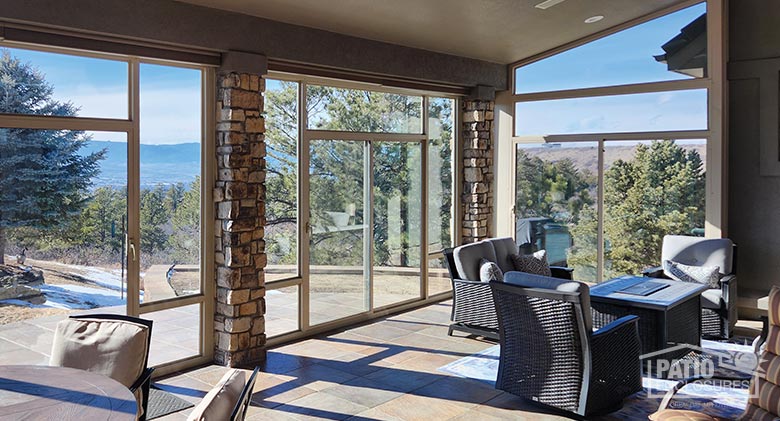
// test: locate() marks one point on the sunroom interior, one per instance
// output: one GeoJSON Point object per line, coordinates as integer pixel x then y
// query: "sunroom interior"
{"type": "Point", "coordinates": [251, 175]}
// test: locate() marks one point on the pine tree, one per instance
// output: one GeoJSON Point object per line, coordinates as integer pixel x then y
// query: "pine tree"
{"type": "Point", "coordinates": [43, 178]}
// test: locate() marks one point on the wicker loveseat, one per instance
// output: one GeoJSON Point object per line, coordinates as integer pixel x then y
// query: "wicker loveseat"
{"type": "Point", "coordinates": [718, 305]}
{"type": "Point", "coordinates": [473, 311]}
{"type": "Point", "coordinates": [550, 353]}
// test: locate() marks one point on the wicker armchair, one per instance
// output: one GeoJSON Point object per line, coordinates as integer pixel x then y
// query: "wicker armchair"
{"type": "Point", "coordinates": [549, 352]}
{"type": "Point", "coordinates": [473, 311]}
{"type": "Point", "coordinates": [718, 305]}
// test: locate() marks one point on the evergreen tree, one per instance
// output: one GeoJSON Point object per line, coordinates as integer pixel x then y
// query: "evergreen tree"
{"type": "Point", "coordinates": [185, 239]}
{"type": "Point", "coordinates": [154, 220]}
{"type": "Point", "coordinates": [43, 178]}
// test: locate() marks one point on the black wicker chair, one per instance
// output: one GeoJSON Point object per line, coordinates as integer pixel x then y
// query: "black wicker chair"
{"type": "Point", "coordinates": [551, 356]}
{"type": "Point", "coordinates": [473, 311]}
{"type": "Point", "coordinates": [718, 305]}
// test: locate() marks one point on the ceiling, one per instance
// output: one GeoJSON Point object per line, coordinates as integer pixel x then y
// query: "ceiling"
{"type": "Point", "coordinates": [500, 31]}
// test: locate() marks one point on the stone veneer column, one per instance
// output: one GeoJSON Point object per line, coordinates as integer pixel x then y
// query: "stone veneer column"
{"type": "Point", "coordinates": [239, 197]}
{"type": "Point", "coordinates": [478, 186]}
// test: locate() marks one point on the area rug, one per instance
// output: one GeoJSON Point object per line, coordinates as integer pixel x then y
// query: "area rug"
{"type": "Point", "coordinates": [163, 403]}
{"type": "Point", "coordinates": [724, 402]}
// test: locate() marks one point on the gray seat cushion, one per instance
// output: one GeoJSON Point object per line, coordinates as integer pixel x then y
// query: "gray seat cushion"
{"type": "Point", "coordinates": [528, 280]}
{"type": "Point", "coordinates": [467, 258]}
{"type": "Point", "coordinates": [504, 247]}
{"type": "Point", "coordinates": [697, 251]}
{"type": "Point", "coordinates": [712, 298]}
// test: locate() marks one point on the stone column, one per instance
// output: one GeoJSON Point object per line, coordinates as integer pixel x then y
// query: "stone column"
{"type": "Point", "coordinates": [478, 186]}
{"type": "Point", "coordinates": [239, 197]}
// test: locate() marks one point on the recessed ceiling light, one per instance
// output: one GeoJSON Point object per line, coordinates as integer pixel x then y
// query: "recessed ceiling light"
{"type": "Point", "coordinates": [594, 19]}
{"type": "Point", "coordinates": [548, 4]}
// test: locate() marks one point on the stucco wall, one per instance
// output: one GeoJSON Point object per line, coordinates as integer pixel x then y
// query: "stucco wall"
{"type": "Point", "coordinates": [754, 199]}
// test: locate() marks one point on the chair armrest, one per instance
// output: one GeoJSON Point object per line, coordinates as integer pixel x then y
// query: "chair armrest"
{"type": "Point", "coordinates": [616, 370]}
{"type": "Point", "coordinates": [146, 377]}
{"type": "Point", "coordinates": [561, 272]}
{"type": "Point", "coordinates": [622, 326]}
{"type": "Point", "coordinates": [654, 272]}
{"type": "Point", "coordinates": [728, 279]}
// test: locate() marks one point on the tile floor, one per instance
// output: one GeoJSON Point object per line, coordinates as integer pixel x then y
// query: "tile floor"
{"type": "Point", "coordinates": [385, 370]}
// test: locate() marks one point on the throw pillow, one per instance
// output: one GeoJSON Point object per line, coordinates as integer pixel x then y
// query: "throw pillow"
{"type": "Point", "coordinates": [707, 275]}
{"type": "Point", "coordinates": [535, 263]}
{"type": "Point", "coordinates": [489, 271]}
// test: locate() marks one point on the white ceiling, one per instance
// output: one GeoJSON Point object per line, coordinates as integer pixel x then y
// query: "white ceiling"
{"type": "Point", "coordinates": [500, 31]}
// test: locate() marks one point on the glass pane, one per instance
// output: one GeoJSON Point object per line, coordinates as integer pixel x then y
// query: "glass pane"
{"type": "Point", "coordinates": [438, 276]}
{"type": "Point", "coordinates": [63, 215]}
{"type": "Point", "coordinates": [658, 111]}
{"type": "Point", "coordinates": [556, 189]}
{"type": "Point", "coordinates": [440, 180]}
{"type": "Point", "coordinates": [175, 334]}
{"type": "Point", "coordinates": [281, 202]}
{"type": "Point", "coordinates": [281, 311]}
{"type": "Point", "coordinates": [170, 181]}
{"type": "Point", "coordinates": [340, 231]}
{"type": "Point", "coordinates": [355, 110]}
{"type": "Point", "coordinates": [651, 189]}
{"type": "Point", "coordinates": [397, 225]}
{"type": "Point", "coordinates": [42, 83]}
{"type": "Point", "coordinates": [667, 48]}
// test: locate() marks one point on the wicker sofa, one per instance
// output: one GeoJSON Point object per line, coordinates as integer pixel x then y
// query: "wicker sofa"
{"type": "Point", "coordinates": [550, 353]}
{"type": "Point", "coordinates": [718, 305]}
{"type": "Point", "coordinates": [473, 311]}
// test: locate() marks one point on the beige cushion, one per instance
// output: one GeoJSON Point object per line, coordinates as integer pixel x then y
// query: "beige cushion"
{"type": "Point", "coordinates": [697, 251]}
{"type": "Point", "coordinates": [679, 415]}
{"type": "Point", "coordinates": [114, 348]}
{"type": "Point", "coordinates": [218, 404]}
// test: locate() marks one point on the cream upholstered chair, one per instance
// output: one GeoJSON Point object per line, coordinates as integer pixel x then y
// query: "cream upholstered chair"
{"type": "Point", "coordinates": [719, 302]}
{"type": "Point", "coordinates": [113, 345]}
{"type": "Point", "coordinates": [764, 400]}
{"type": "Point", "coordinates": [228, 400]}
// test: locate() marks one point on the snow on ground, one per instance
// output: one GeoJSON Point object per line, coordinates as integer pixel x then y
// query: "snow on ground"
{"type": "Point", "coordinates": [74, 297]}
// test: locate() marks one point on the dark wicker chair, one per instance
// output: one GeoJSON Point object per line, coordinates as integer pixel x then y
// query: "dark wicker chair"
{"type": "Point", "coordinates": [551, 356]}
{"type": "Point", "coordinates": [473, 311]}
{"type": "Point", "coordinates": [718, 305]}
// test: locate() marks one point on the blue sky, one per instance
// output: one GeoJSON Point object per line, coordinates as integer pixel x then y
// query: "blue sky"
{"type": "Point", "coordinates": [622, 58]}
{"type": "Point", "coordinates": [170, 96]}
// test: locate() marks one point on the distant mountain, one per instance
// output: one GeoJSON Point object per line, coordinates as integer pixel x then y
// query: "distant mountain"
{"type": "Point", "coordinates": [160, 164]}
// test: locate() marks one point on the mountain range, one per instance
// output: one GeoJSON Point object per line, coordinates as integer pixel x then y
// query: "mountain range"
{"type": "Point", "coordinates": [160, 164]}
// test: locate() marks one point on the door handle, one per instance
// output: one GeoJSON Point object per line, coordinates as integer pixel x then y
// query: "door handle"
{"type": "Point", "coordinates": [131, 246]}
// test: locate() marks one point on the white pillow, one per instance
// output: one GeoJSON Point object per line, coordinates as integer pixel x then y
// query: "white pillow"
{"type": "Point", "coordinates": [218, 404]}
{"type": "Point", "coordinates": [707, 275]}
{"type": "Point", "coordinates": [489, 271]}
{"type": "Point", "coordinates": [535, 264]}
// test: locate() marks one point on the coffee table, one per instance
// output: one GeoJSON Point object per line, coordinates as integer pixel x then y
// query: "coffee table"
{"type": "Point", "coordinates": [667, 318]}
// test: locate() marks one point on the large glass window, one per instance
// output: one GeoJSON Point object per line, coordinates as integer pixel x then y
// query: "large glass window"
{"type": "Point", "coordinates": [73, 200]}
{"type": "Point", "coordinates": [671, 47]}
{"type": "Point", "coordinates": [355, 110]}
{"type": "Point", "coordinates": [657, 111]}
{"type": "Point", "coordinates": [440, 180]}
{"type": "Point", "coordinates": [281, 204]}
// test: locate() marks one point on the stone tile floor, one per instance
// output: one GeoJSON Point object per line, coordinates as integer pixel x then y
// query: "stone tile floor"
{"type": "Point", "coordinates": [385, 370]}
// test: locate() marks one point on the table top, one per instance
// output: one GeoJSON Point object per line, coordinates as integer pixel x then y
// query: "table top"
{"type": "Point", "coordinates": [676, 293]}
{"type": "Point", "coordinates": [31, 392]}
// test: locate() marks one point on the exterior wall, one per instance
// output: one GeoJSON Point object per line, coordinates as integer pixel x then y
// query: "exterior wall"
{"type": "Point", "coordinates": [754, 196]}
{"type": "Point", "coordinates": [239, 196]}
{"type": "Point", "coordinates": [478, 180]}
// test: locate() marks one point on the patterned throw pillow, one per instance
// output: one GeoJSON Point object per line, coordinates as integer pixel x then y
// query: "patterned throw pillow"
{"type": "Point", "coordinates": [489, 271]}
{"type": "Point", "coordinates": [707, 275]}
{"type": "Point", "coordinates": [532, 263]}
